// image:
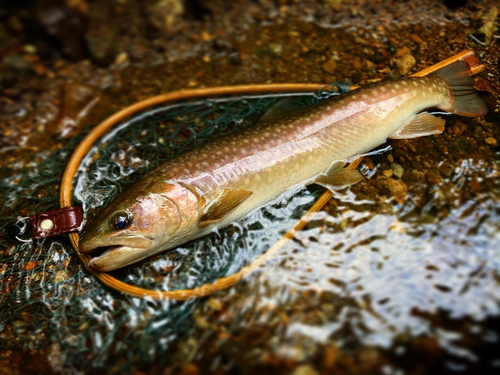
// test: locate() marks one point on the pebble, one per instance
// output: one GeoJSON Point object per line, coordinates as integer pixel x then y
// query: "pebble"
{"type": "Point", "coordinates": [61, 276]}
{"type": "Point", "coordinates": [202, 322]}
{"type": "Point", "coordinates": [388, 173]}
{"type": "Point", "coordinates": [276, 49]}
{"type": "Point", "coordinates": [446, 169]}
{"type": "Point", "coordinates": [305, 370]}
{"type": "Point", "coordinates": [214, 304]}
{"type": "Point", "coordinates": [416, 38]}
{"type": "Point", "coordinates": [404, 60]}
{"type": "Point", "coordinates": [458, 128]}
{"type": "Point", "coordinates": [405, 63]}
{"type": "Point", "coordinates": [433, 178]}
{"type": "Point", "coordinates": [398, 189]}
{"type": "Point", "coordinates": [29, 48]}
{"type": "Point", "coordinates": [489, 27]}
{"type": "Point", "coordinates": [390, 158]}
{"type": "Point", "coordinates": [330, 66]}
{"type": "Point", "coordinates": [121, 58]}
{"type": "Point", "coordinates": [398, 170]}
{"type": "Point", "coordinates": [491, 141]}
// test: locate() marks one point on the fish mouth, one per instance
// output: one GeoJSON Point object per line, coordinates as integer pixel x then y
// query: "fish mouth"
{"type": "Point", "coordinates": [108, 258]}
{"type": "Point", "coordinates": [104, 258]}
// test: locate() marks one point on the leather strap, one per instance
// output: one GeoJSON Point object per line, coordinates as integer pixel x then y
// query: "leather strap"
{"type": "Point", "coordinates": [54, 222]}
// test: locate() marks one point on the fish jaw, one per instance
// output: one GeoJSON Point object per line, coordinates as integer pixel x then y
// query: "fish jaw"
{"type": "Point", "coordinates": [89, 244]}
{"type": "Point", "coordinates": [117, 257]}
{"type": "Point", "coordinates": [116, 254]}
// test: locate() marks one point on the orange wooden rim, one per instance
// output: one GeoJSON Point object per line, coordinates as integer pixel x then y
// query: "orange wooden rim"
{"type": "Point", "coordinates": [66, 191]}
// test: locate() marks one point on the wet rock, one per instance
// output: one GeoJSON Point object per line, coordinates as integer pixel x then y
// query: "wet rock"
{"type": "Point", "coordinates": [404, 60]}
{"type": "Point", "coordinates": [370, 65]}
{"type": "Point", "coordinates": [458, 128]}
{"type": "Point", "coordinates": [433, 178]}
{"type": "Point", "coordinates": [446, 169]}
{"type": "Point", "coordinates": [491, 141]}
{"type": "Point", "coordinates": [101, 49]}
{"type": "Point", "coordinates": [165, 14]}
{"type": "Point", "coordinates": [416, 38]}
{"type": "Point", "coordinates": [61, 276]}
{"type": "Point", "coordinates": [398, 170]}
{"type": "Point", "coordinates": [80, 104]}
{"type": "Point", "coordinates": [443, 149]}
{"type": "Point", "coordinates": [452, 194]}
{"type": "Point", "coordinates": [488, 28]}
{"type": "Point", "coordinates": [276, 49]}
{"type": "Point", "coordinates": [330, 66]}
{"type": "Point", "coordinates": [189, 369]}
{"type": "Point", "coordinates": [398, 190]}
{"type": "Point", "coordinates": [202, 322]}
{"type": "Point", "coordinates": [14, 66]}
{"type": "Point", "coordinates": [305, 370]}
{"type": "Point", "coordinates": [187, 351]}
{"type": "Point", "coordinates": [370, 359]}
{"type": "Point", "coordinates": [214, 304]}
{"type": "Point", "coordinates": [122, 58]}
{"type": "Point", "coordinates": [387, 173]}
{"type": "Point", "coordinates": [67, 28]}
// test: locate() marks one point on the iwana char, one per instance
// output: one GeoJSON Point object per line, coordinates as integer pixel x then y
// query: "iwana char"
{"type": "Point", "coordinates": [220, 182]}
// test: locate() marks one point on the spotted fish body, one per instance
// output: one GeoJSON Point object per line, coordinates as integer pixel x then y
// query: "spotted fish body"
{"type": "Point", "coordinates": [222, 181]}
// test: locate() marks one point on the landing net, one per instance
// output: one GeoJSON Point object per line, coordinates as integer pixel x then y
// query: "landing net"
{"type": "Point", "coordinates": [49, 299]}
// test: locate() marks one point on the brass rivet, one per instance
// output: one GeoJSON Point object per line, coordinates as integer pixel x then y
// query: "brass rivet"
{"type": "Point", "coordinates": [47, 224]}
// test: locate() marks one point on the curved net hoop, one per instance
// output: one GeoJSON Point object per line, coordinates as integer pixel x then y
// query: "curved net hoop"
{"type": "Point", "coordinates": [159, 134]}
{"type": "Point", "coordinates": [45, 288]}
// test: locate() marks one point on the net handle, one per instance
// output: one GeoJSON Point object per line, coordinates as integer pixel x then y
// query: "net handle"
{"type": "Point", "coordinates": [66, 191]}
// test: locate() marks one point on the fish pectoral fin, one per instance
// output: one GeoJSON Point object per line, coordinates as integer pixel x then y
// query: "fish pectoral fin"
{"type": "Point", "coordinates": [282, 108]}
{"type": "Point", "coordinates": [229, 200]}
{"type": "Point", "coordinates": [421, 125]}
{"type": "Point", "coordinates": [337, 177]}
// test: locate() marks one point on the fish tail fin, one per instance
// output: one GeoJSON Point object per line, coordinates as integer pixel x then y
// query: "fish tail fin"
{"type": "Point", "coordinates": [465, 101]}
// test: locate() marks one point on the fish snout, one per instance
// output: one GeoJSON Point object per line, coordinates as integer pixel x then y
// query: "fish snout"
{"type": "Point", "coordinates": [85, 245]}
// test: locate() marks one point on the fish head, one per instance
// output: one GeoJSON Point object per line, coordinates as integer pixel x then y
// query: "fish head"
{"type": "Point", "coordinates": [140, 222]}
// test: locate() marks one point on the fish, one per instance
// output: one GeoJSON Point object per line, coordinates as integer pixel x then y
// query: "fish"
{"type": "Point", "coordinates": [210, 187]}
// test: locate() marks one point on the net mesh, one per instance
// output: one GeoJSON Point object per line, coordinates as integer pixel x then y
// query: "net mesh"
{"type": "Point", "coordinates": [47, 296]}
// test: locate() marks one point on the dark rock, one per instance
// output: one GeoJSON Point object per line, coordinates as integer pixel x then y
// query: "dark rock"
{"type": "Point", "coordinates": [66, 27]}
{"type": "Point", "coordinates": [80, 104]}
{"type": "Point", "coordinates": [330, 66]}
{"type": "Point", "coordinates": [14, 67]}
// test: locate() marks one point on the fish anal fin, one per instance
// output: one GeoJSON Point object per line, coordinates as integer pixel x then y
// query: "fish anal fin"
{"type": "Point", "coordinates": [337, 177]}
{"type": "Point", "coordinates": [421, 125]}
{"type": "Point", "coordinates": [229, 200]}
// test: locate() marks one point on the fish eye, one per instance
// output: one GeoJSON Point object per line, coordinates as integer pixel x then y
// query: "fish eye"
{"type": "Point", "coordinates": [120, 220]}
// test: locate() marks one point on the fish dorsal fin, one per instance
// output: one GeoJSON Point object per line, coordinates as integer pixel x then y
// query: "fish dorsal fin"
{"type": "Point", "coordinates": [229, 200]}
{"type": "Point", "coordinates": [421, 125]}
{"type": "Point", "coordinates": [338, 177]}
{"type": "Point", "coordinates": [282, 108]}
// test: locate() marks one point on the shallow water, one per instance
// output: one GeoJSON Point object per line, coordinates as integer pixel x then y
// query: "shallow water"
{"type": "Point", "coordinates": [396, 274]}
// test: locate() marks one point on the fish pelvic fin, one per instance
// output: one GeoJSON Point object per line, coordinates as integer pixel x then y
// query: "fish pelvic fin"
{"type": "Point", "coordinates": [465, 101]}
{"type": "Point", "coordinates": [229, 200]}
{"type": "Point", "coordinates": [421, 125]}
{"type": "Point", "coordinates": [338, 177]}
